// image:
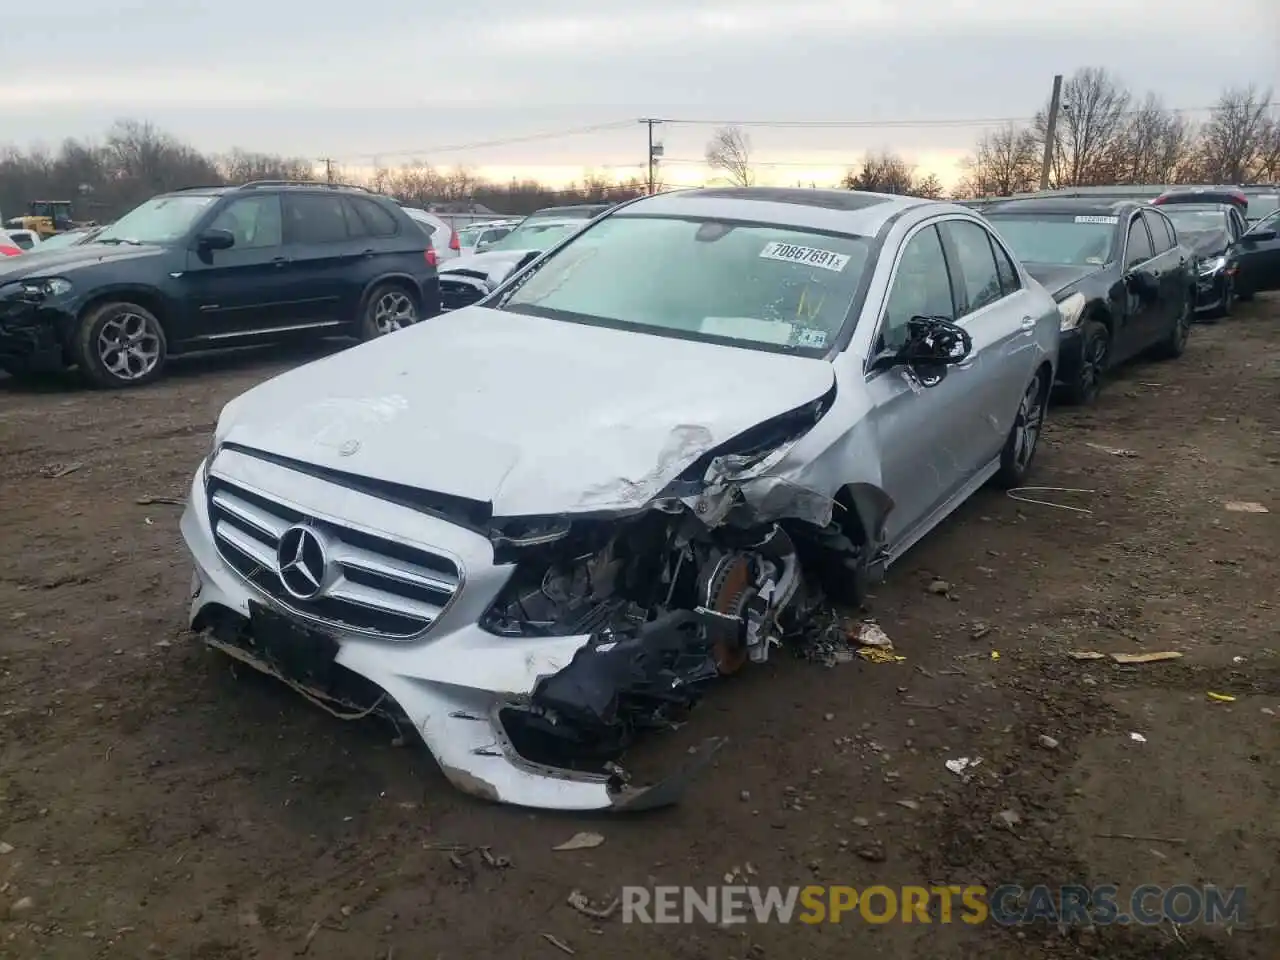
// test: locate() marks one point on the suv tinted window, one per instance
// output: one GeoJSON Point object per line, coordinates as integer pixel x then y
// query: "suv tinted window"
{"type": "Point", "coordinates": [921, 288]}
{"type": "Point", "coordinates": [981, 281]}
{"type": "Point", "coordinates": [254, 222]}
{"type": "Point", "coordinates": [1139, 244]}
{"type": "Point", "coordinates": [23, 240]}
{"type": "Point", "coordinates": [1160, 239]}
{"type": "Point", "coordinates": [377, 221]}
{"type": "Point", "coordinates": [314, 218]}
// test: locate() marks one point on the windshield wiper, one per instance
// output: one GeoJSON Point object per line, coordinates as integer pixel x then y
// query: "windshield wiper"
{"type": "Point", "coordinates": [128, 240]}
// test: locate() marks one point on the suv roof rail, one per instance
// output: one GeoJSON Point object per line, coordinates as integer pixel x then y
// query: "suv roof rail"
{"type": "Point", "coordinates": [254, 184]}
{"type": "Point", "coordinates": [201, 186]}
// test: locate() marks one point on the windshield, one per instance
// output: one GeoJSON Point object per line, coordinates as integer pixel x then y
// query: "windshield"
{"type": "Point", "coordinates": [1195, 219]}
{"type": "Point", "coordinates": [159, 220]}
{"type": "Point", "coordinates": [60, 240]}
{"type": "Point", "coordinates": [1073, 240]}
{"type": "Point", "coordinates": [761, 286]}
{"type": "Point", "coordinates": [535, 236]}
{"type": "Point", "coordinates": [470, 236]}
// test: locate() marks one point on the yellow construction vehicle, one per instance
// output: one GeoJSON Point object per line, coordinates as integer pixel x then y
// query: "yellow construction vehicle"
{"type": "Point", "coordinates": [45, 217]}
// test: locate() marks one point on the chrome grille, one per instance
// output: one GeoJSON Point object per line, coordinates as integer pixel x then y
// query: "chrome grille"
{"type": "Point", "coordinates": [372, 584]}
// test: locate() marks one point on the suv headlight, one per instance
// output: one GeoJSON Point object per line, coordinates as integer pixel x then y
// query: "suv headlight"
{"type": "Point", "coordinates": [1070, 311]}
{"type": "Point", "coordinates": [37, 288]}
{"type": "Point", "coordinates": [1212, 265]}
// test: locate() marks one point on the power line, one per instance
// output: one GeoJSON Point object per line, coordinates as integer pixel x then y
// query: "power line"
{"type": "Point", "coordinates": [498, 142]}
{"type": "Point", "coordinates": [902, 124]}
{"type": "Point", "coordinates": [815, 165]}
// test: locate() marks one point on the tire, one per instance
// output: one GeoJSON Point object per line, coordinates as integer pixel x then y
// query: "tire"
{"type": "Point", "coordinates": [388, 307]}
{"type": "Point", "coordinates": [1175, 344]}
{"type": "Point", "coordinates": [1024, 436]}
{"type": "Point", "coordinates": [1228, 300]}
{"type": "Point", "coordinates": [120, 344]}
{"type": "Point", "coordinates": [1095, 349]}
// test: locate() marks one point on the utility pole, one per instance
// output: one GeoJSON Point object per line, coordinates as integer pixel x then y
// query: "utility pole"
{"type": "Point", "coordinates": [655, 151]}
{"type": "Point", "coordinates": [328, 168]}
{"type": "Point", "coordinates": [1051, 131]}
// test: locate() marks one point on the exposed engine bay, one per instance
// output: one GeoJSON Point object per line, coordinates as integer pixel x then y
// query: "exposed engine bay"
{"type": "Point", "coordinates": [671, 603]}
{"type": "Point", "coordinates": [670, 606]}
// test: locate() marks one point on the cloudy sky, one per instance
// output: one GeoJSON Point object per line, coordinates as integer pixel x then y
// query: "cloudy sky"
{"type": "Point", "coordinates": [390, 80]}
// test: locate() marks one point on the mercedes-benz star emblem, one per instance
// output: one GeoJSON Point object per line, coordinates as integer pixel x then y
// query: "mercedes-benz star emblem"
{"type": "Point", "coordinates": [302, 559]}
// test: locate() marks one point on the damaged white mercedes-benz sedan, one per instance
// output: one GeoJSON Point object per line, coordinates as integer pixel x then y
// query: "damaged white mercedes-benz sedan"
{"type": "Point", "coordinates": [535, 527]}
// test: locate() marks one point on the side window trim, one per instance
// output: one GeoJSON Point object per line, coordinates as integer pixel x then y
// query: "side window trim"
{"type": "Point", "coordinates": [1128, 232]}
{"type": "Point", "coordinates": [999, 250]}
{"type": "Point", "coordinates": [883, 309]}
{"type": "Point", "coordinates": [1171, 232]}
{"type": "Point", "coordinates": [959, 291]}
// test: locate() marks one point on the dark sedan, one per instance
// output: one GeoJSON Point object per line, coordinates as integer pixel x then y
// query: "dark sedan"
{"type": "Point", "coordinates": [1210, 231]}
{"type": "Point", "coordinates": [1122, 281]}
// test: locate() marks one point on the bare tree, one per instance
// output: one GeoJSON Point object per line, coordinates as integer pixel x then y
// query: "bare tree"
{"type": "Point", "coordinates": [1090, 126]}
{"type": "Point", "coordinates": [241, 166]}
{"type": "Point", "coordinates": [1236, 137]}
{"type": "Point", "coordinates": [1153, 145]}
{"type": "Point", "coordinates": [883, 172]}
{"type": "Point", "coordinates": [730, 152]}
{"type": "Point", "coordinates": [928, 186]}
{"type": "Point", "coordinates": [1006, 161]}
{"type": "Point", "coordinates": [1267, 168]}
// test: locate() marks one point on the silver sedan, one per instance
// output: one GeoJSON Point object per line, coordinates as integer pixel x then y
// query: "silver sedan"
{"type": "Point", "coordinates": [539, 525]}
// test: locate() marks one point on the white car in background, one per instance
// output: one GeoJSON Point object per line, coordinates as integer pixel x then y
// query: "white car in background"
{"type": "Point", "coordinates": [465, 280]}
{"type": "Point", "coordinates": [444, 239]}
{"type": "Point", "coordinates": [478, 237]}
{"type": "Point", "coordinates": [14, 242]}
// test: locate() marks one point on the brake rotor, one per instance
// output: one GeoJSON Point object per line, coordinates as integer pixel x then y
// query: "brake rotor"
{"type": "Point", "coordinates": [730, 590]}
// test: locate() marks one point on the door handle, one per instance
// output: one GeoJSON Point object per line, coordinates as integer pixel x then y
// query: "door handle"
{"type": "Point", "coordinates": [279, 261]}
{"type": "Point", "coordinates": [367, 253]}
{"type": "Point", "coordinates": [1028, 324]}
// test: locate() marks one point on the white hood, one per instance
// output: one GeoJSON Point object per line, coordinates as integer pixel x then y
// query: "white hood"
{"type": "Point", "coordinates": [535, 416]}
{"type": "Point", "coordinates": [493, 264]}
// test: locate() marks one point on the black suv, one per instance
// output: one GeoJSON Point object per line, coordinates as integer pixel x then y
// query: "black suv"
{"type": "Point", "coordinates": [210, 267]}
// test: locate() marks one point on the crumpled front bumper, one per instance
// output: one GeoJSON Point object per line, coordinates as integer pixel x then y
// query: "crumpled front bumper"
{"type": "Point", "coordinates": [30, 334]}
{"type": "Point", "coordinates": [452, 682]}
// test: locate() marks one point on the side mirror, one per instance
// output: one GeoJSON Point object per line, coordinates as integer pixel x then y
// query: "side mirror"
{"type": "Point", "coordinates": [1258, 235]}
{"type": "Point", "coordinates": [216, 240]}
{"type": "Point", "coordinates": [932, 345]}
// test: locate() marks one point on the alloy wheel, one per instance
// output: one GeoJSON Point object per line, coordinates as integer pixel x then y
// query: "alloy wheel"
{"type": "Point", "coordinates": [1092, 365]}
{"type": "Point", "coordinates": [1029, 423]}
{"type": "Point", "coordinates": [129, 346]}
{"type": "Point", "coordinates": [393, 311]}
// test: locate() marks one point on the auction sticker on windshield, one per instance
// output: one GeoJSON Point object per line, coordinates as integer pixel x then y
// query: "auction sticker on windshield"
{"type": "Point", "coordinates": [809, 256]}
{"type": "Point", "coordinates": [1111, 220]}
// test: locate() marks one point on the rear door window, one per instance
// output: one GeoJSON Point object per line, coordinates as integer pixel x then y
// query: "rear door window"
{"type": "Point", "coordinates": [981, 279]}
{"type": "Point", "coordinates": [1160, 240]}
{"type": "Point", "coordinates": [377, 221]}
{"type": "Point", "coordinates": [1139, 249]}
{"type": "Point", "coordinates": [314, 218]}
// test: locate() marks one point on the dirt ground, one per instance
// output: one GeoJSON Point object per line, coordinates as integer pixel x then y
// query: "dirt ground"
{"type": "Point", "coordinates": [157, 801]}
